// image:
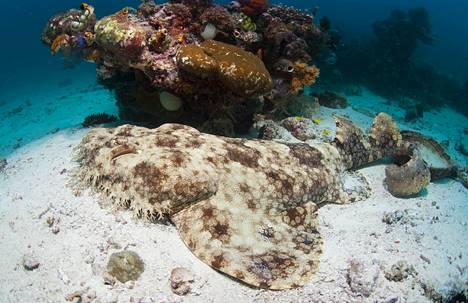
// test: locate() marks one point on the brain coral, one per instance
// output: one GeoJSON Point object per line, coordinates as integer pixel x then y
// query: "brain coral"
{"type": "Point", "coordinates": [121, 34]}
{"type": "Point", "coordinates": [239, 71]}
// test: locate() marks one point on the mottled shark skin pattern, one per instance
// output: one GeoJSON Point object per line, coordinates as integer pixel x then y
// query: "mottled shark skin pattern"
{"type": "Point", "coordinates": [248, 208]}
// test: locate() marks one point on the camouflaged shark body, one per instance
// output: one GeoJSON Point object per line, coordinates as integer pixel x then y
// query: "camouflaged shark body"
{"type": "Point", "coordinates": [245, 207]}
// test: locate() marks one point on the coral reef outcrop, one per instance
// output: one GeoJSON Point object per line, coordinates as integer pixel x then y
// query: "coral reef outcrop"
{"type": "Point", "coordinates": [220, 61]}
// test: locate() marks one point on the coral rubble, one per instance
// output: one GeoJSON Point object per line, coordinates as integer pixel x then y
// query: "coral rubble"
{"type": "Point", "coordinates": [96, 119]}
{"type": "Point", "coordinates": [208, 185]}
{"type": "Point", "coordinates": [331, 99]}
{"type": "Point", "coordinates": [220, 62]}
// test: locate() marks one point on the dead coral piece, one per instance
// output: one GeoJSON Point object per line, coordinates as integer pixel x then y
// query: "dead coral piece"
{"type": "Point", "coordinates": [30, 263]}
{"type": "Point", "coordinates": [270, 130]}
{"type": "Point", "coordinates": [85, 295]}
{"type": "Point", "coordinates": [409, 176]}
{"type": "Point", "coordinates": [439, 162]}
{"type": "Point", "coordinates": [303, 105]}
{"type": "Point", "coordinates": [96, 119]}
{"type": "Point", "coordinates": [241, 72]}
{"type": "Point", "coordinates": [362, 277]}
{"type": "Point", "coordinates": [299, 127]}
{"type": "Point", "coordinates": [394, 217]}
{"type": "Point", "coordinates": [399, 271]}
{"type": "Point", "coordinates": [180, 279]}
{"type": "Point", "coordinates": [125, 266]}
{"type": "Point", "coordinates": [219, 127]}
{"type": "Point", "coordinates": [208, 185]}
{"type": "Point", "coordinates": [331, 99]}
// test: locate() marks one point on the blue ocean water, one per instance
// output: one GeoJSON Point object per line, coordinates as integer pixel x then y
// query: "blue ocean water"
{"type": "Point", "coordinates": [387, 58]}
{"type": "Point", "coordinates": [31, 76]}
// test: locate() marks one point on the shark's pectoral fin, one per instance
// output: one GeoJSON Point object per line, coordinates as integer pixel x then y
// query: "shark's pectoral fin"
{"type": "Point", "coordinates": [268, 249]}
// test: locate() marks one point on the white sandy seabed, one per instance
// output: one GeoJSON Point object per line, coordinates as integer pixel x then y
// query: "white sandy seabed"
{"type": "Point", "coordinates": [429, 233]}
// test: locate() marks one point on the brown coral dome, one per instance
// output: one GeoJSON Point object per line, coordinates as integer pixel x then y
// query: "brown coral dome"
{"type": "Point", "coordinates": [239, 71]}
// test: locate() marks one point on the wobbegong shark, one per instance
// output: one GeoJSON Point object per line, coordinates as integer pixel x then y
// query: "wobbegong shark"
{"type": "Point", "coordinates": [247, 208]}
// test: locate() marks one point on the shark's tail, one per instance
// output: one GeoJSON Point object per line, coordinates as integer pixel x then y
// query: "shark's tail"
{"type": "Point", "coordinates": [357, 149]}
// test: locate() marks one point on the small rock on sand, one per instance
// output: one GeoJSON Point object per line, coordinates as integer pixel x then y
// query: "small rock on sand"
{"type": "Point", "coordinates": [399, 271]}
{"type": "Point", "coordinates": [394, 217]}
{"type": "Point", "coordinates": [30, 263]}
{"type": "Point", "coordinates": [181, 278]}
{"type": "Point", "coordinates": [55, 230]}
{"type": "Point", "coordinates": [86, 295]}
{"type": "Point", "coordinates": [125, 266]}
{"type": "Point", "coordinates": [362, 277]}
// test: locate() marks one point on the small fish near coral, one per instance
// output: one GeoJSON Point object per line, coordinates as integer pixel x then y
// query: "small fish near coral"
{"type": "Point", "coordinates": [238, 213]}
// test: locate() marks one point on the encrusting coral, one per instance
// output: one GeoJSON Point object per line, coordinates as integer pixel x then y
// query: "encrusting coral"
{"type": "Point", "coordinates": [245, 207]}
{"type": "Point", "coordinates": [141, 50]}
